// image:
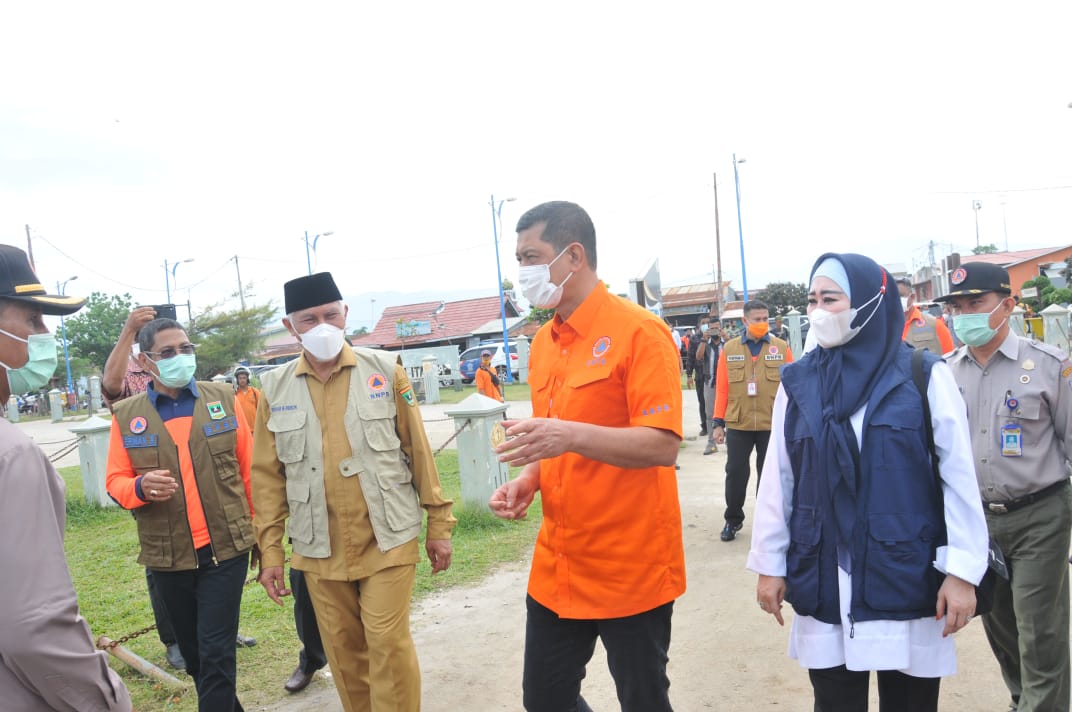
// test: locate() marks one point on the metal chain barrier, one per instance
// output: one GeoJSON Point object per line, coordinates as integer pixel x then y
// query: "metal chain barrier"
{"type": "Point", "coordinates": [462, 427]}
{"type": "Point", "coordinates": [63, 451]}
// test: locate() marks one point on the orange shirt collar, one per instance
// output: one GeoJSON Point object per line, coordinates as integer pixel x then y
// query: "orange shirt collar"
{"type": "Point", "coordinates": [583, 318]}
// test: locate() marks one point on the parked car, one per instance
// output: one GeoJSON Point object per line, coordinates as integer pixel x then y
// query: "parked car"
{"type": "Point", "coordinates": [470, 360]}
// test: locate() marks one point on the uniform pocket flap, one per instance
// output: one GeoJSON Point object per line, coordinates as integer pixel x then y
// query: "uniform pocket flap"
{"type": "Point", "coordinates": [381, 434]}
{"type": "Point", "coordinates": [804, 527]}
{"type": "Point", "coordinates": [592, 374]}
{"type": "Point", "coordinates": [283, 422]}
{"type": "Point", "coordinates": [297, 491]}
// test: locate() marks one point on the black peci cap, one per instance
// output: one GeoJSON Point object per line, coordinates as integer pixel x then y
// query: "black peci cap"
{"type": "Point", "coordinates": [977, 278]}
{"type": "Point", "coordinates": [18, 282]}
{"type": "Point", "coordinates": [310, 291]}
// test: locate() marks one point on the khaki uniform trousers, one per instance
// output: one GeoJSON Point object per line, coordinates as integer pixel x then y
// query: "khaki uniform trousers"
{"type": "Point", "coordinates": [365, 627]}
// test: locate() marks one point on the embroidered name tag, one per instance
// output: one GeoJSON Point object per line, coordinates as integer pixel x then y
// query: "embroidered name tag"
{"type": "Point", "coordinates": [220, 426]}
{"type": "Point", "coordinates": [280, 408]}
{"type": "Point", "coordinates": [773, 357]}
{"type": "Point", "coordinates": [738, 357]}
{"type": "Point", "coordinates": [133, 441]}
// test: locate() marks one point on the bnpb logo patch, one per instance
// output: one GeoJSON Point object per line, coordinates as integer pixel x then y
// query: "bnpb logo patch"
{"type": "Point", "coordinates": [601, 346]}
{"type": "Point", "coordinates": [376, 382]}
{"type": "Point", "coordinates": [959, 275]}
{"type": "Point", "coordinates": [138, 425]}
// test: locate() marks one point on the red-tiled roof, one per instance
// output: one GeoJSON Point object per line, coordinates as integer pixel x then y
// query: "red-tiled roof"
{"type": "Point", "coordinates": [455, 320]}
{"type": "Point", "coordinates": [1005, 259]}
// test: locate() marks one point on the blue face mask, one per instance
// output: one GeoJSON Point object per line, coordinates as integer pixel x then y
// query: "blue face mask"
{"type": "Point", "coordinates": [974, 329]}
{"type": "Point", "coordinates": [39, 367]}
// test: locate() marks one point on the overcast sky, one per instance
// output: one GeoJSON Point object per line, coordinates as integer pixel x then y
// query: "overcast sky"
{"type": "Point", "coordinates": [133, 133]}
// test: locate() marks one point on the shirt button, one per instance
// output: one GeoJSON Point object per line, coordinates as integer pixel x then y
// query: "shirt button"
{"type": "Point", "coordinates": [984, 431]}
{"type": "Point", "coordinates": [983, 461]}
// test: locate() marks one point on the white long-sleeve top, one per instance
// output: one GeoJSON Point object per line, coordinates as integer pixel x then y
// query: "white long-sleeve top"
{"type": "Point", "coordinates": [915, 647]}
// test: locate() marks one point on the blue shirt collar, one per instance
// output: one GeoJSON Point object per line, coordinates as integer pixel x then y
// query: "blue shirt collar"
{"type": "Point", "coordinates": [747, 336]}
{"type": "Point", "coordinates": [190, 387]}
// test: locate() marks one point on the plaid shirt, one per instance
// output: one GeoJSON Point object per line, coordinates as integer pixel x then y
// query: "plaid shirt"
{"type": "Point", "coordinates": [135, 381]}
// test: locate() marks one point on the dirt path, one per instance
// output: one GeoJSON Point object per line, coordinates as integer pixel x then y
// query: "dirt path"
{"type": "Point", "coordinates": [725, 654]}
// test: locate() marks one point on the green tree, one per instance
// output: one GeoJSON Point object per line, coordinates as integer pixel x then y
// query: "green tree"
{"type": "Point", "coordinates": [1041, 283]}
{"type": "Point", "coordinates": [984, 249]}
{"type": "Point", "coordinates": [93, 331]}
{"type": "Point", "coordinates": [783, 296]}
{"type": "Point", "coordinates": [541, 316]}
{"type": "Point", "coordinates": [224, 338]}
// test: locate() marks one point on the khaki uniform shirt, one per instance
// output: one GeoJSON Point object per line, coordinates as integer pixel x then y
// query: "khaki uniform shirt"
{"type": "Point", "coordinates": [47, 658]}
{"type": "Point", "coordinates": [1039, 378]}
{"type": "Point", "coordinates": [354, 553]}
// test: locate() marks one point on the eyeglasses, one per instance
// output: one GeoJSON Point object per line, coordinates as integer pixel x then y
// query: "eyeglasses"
{"type": "Point", "coordinates": [185, 350]}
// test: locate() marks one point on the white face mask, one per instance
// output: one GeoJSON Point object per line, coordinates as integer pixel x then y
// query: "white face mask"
{"type": "Point", "coordinates": [323, 342]}
{"type": "Point", "coordinates": [831, 329]}
{"type": "Point", "coordinates": [904, 304]}
{"type": "Point", "coordinates": [536, 284]}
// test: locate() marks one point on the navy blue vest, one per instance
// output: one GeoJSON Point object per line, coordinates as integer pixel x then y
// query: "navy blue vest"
{"type": "Point", "coordinates": [899, 517]}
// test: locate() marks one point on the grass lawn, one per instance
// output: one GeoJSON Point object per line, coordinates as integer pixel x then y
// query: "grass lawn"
{"type": "Point", "coordinates": [514, 392]}
{"type": "Point", "coordinates": [102, 546]}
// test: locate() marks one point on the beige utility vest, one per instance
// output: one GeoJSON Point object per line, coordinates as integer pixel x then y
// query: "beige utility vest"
{"type": "Point", "coordinates": [376, 454]}
{"type": "Point", "coordinates": [924, 335]}
{"type": "Point", "coordinates": [164, 534]}
{"type": "Point", "coordinates": [743, 411]}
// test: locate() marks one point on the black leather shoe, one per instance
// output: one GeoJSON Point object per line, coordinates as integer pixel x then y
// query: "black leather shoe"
{"type": "Point", "coordinates": [298, 680]}
{"type": "Point", "coordinates": [729, 532]}
{"type": "Point", "coordinates": [244, 641]}
{"type": "Point", "coordinates": [174, 657]}
{"type": "Point", "coordinates": [703, 432]}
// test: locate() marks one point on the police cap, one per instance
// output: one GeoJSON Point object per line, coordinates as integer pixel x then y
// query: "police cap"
{"type": "Point", "coordinates": [977, 278]}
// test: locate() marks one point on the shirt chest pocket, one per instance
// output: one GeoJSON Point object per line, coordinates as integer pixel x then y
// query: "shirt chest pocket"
{"type": "Point", "coordinates": [1026, 415]}
{"type": "Point", "coordinates": [592, 394]}
{"type": "Point", "coordinates": [289, 431]}
{"type": "Point", "coordinates": [735, 371]}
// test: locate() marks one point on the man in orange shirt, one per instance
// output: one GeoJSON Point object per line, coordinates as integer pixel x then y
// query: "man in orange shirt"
{"type": "Point", "coordinates": [600, 447]}
{"type": "Point", "coordinates": [179, 457]}
{"type": "Point", "coordinates": [922, 331]}
{"type": "Point", "coordinates": [246, 395]}
{"type": "Point", "coordinates": [746, 381]}
{"type": "Point", "coordinates": [487, 383]}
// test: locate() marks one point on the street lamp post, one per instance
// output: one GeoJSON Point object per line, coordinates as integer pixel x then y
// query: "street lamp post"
{"type": "Point", "coordinates": [63, 330]}
{"type": "Point", "coordinates": [496, 218]}
{"type": "Point", "coordinates": [976, 207]}
{"type": "Point", "coordinates": [308, 258]}
{"type": "Point", "coordinates": [169, 274]}
{"type": "Point", "coordinates": [740, 230]}
{"type": "Point", "coordinates": [372, 315]}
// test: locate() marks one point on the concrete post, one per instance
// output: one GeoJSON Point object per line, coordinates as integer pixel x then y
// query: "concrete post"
{"type": "Point", "coordinates": [479, 467]}
{"type": "Point", "coordinates": [55, 404]}
{"type": "Point", "coordinates": [94, 394]}
{"type": "Point", "coordinates": [794, 320]}
{"type": "Point", "coordinates": [93, 436]}
{"type": "Point", "coordinates": [431, 379]}
{"type": "Point", "coordinates": [522, 346]}
{"type": "Point", "coordinates": [1016, 321]}
{"type": "Point", "coordinates": [1055, 326]}
{"type": "Point", "coordinates": [13, 408]}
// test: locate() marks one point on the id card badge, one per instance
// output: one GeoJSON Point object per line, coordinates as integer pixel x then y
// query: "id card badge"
{"type": "Point", "coordinates": [1012, 441]}
{"type": "Point", "coordinates": [752, 389]}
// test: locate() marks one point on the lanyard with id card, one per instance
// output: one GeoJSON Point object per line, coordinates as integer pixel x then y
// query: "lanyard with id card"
{"type": "Point", "coordinates": [1012, 436]}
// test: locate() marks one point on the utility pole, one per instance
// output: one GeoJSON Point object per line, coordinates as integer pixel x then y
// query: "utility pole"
{"type": "Point", "coordinates": [241, 295]}
{"type": "Point", "coordinates": [718, 252]}
{"type": "Point", "coordinates": [976, 206]}
{"type": "Point", "coordinates": [29, 250]}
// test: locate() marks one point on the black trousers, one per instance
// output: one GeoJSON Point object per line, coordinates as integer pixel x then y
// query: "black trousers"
{"type": "Point", "coordinates": [704, 425]}
{"type": "Point", "coordinates": [160, 615]}
{"type": "Point", "coordinates": [204, 605]}
{"type": "Point", "coordinates": [558, 649]}
{"type": "Point", "coordinates": [312, 657]}
{"type": "Point", "coordinates": [839, 689]}
{"type": "Point", "coordinates": [739, 445]}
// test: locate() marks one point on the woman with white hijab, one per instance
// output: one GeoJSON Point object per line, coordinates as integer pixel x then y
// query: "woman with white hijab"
{"type": "Point", "coordinates": [851, 527]}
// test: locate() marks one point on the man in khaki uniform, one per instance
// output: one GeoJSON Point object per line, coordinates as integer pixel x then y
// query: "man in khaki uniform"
{"type": "Point", "coordinates": [341, 451]}
{"type": "Point", "coordinates": [746, 381]}
{"type": "Point", "coordinates": [1019, 398]}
